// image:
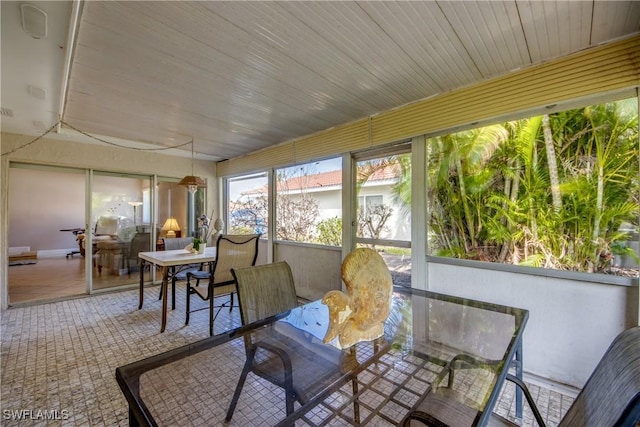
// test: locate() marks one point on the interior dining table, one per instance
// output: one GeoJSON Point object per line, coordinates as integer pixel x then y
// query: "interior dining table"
{"type": "Point", "coordinates": [433, 345]}
{"type": "Point", "coordinates": [169, 261]}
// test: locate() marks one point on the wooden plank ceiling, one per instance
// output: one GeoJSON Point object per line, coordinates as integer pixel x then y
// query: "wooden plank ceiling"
{"type": "Point", "coordinates": [240, 76]}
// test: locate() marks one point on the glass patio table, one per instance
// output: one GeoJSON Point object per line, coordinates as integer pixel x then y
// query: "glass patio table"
{"type": "Point", "coordinates": [433, 345]}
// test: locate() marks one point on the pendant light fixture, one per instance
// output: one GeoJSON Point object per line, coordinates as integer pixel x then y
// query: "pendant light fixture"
{"type": "Point", "coordinates": [192, 182]}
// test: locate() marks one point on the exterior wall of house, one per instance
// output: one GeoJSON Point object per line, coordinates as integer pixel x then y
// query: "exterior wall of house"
{"type": "Point", "coordinates": [67, 153]}
{"type": "Point", "coordinates": [398, 227]}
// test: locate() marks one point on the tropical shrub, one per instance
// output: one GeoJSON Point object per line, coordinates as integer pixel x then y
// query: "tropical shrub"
{"type": "Point", "coordinates": [548, 191]}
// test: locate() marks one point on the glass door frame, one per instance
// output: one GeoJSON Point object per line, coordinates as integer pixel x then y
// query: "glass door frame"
{"type": "Point", "coordinates": [417, 243]}
{"type": "Point", "coordinates": [90, 174]}
{"type": "Point", "coordinates": [403, 148]}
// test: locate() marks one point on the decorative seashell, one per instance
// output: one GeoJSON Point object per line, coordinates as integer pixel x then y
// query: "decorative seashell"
{"type": "Point", "coordinates": [360, 313]}
{"type": "Point", "coordinates": [189, 248]}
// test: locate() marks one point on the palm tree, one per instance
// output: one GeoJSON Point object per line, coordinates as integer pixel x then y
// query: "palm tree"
{"type": "Point", "coordinates": [488, 188]}
{"type": "Point", "coordinates": [459, 179]}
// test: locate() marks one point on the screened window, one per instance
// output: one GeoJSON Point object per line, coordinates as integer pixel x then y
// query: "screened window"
{"type": "Point", "coordinates": [309, 203]}
{"type": "Point", "coordinates": [369, 204]}
{"type": "Point", "coordinates": [383, 196]}
{"type": "Point", "coordinates": [558, 191]}
{"type": "Point", "coordinates": [247, 204]}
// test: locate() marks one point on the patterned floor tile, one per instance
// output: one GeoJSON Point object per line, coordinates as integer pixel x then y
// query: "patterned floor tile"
{"type": "Point", "coordinates": [58, 364]}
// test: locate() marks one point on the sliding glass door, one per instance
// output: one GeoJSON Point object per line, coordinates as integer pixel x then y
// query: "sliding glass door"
{"type": "Point", "coordinates": [77, 231]}
{"type": "Point", "coordinates": [120, 226]}
{"type": "Point", "coordinates": [46, 216]}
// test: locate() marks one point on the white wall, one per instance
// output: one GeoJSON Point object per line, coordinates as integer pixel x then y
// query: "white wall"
{"type": "Point", "coordinates": [398, 226]}
{"type": "Point", "coordinates": [41, 203]}
{"type": "Point", "coordinates": [571, 323]}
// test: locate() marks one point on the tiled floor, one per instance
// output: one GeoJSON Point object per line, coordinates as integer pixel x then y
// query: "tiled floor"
{"type": "Point", "coordinates": [58, 359]}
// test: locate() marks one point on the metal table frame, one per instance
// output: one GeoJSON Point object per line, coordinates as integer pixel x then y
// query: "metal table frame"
{"type": "Point", "coordinates": [128, 376]}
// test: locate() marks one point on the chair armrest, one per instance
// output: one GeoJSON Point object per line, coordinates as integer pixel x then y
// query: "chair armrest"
{"type": "Point", "coordinates": [443, 405]}
{"type": "Point", "coordinates": [520, 384]}
{"type": "Point", "coordinates": [282, 355]}
{"type": "Point", "coordinates": [280, 352]}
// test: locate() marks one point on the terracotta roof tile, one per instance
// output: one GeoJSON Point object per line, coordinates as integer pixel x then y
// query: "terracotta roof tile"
{"type": "Point", "coordinates": [325, 179]}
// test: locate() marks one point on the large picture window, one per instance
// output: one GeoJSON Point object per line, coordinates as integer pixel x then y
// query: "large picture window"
{"type": "Point", "coordinates": [309, 203]}
{"type": "Point", "coordinates": [247, 205]}
{"type": "Point", "coordinates": [557, 191]}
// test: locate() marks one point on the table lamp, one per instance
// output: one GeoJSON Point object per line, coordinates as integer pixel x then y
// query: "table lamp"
{"type": "Point", "coordinates": [171, 226]}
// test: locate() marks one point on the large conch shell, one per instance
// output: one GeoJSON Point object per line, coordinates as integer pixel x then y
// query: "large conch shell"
{"type": "Point", "coordinates": [360, 313]}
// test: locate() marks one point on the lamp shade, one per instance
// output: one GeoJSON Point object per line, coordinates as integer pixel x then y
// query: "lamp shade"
{"type": "Point", "coordinates": [171, 226]}
{"type": "Point", "coordinates": [192, 183]}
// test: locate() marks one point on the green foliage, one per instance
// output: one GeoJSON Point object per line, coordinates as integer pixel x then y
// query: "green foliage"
{"type": "Point", "coordinates": [490, 189]}
{"type": "Point", "coordinates": [196, 243]}
{"type": "Point", "coordinates": [330, 231]}
{"type": "Point", "coordinates": [241, 229]}
{"type": "Point", "coordinates": [620, 248]}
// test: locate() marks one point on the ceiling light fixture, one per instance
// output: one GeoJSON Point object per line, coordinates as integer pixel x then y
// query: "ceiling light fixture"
{"type": "Point", "coordinates": [192, 182]}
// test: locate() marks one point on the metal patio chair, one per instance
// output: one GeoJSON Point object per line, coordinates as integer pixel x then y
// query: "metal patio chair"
{"type": "Point", "coordinates": [288, 357]}
{"type": "Point", "coordinates": [232, 251]}
{"type": "Point", "coordinates": [611, 396]}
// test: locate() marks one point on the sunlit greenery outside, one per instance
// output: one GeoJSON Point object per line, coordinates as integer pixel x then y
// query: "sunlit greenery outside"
{"type": "Point", "coordinates": [557, 191]}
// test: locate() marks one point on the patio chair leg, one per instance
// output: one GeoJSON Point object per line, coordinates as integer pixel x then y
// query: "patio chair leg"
{"type": "Point", "coordinates": [173, 293]}
{"type": "Point", "coordinates": [211, 310]}
{"type": "Point", "coordinates": [532, 404]}
{"type": "Point", "coordinates": [186, 318]}
{"type": "Point", "coordinates": [243, 376]}
{"type": "Point", "coordinates": [288, 385]}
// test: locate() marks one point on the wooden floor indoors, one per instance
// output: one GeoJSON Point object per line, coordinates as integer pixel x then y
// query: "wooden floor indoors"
{"type": "Point", "coordinates": [60, 277]}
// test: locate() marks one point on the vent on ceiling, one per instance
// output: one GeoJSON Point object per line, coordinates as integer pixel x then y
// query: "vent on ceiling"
{"type": "Point", "coordinates": [34, 21]}
{"type": "Point", "coordinates": [37, 92]}
{"type": "Point", "coordinates": [6, 112]}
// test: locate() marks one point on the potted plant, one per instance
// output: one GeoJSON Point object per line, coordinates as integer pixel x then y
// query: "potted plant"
{"type": "Point", "coordinates": [196, 243]}
{"type": "Point", "coordinates": [203, 234]}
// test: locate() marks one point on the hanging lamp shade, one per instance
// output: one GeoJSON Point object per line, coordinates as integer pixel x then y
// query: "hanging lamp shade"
{"type": "Point", "coordinates": [190, 181]}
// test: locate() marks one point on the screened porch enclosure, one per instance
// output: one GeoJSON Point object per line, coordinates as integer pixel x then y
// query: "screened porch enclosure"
{"type": "Point", "coordinates": [491, 264]}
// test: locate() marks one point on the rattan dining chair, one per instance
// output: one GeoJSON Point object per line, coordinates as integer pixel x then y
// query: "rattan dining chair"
{"type": "Point", "coordinates": [288, 357]}
{"type": "Point", "coordinates": [611, 396]}
{"type": "Point", "coordinates": [232, 251]}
